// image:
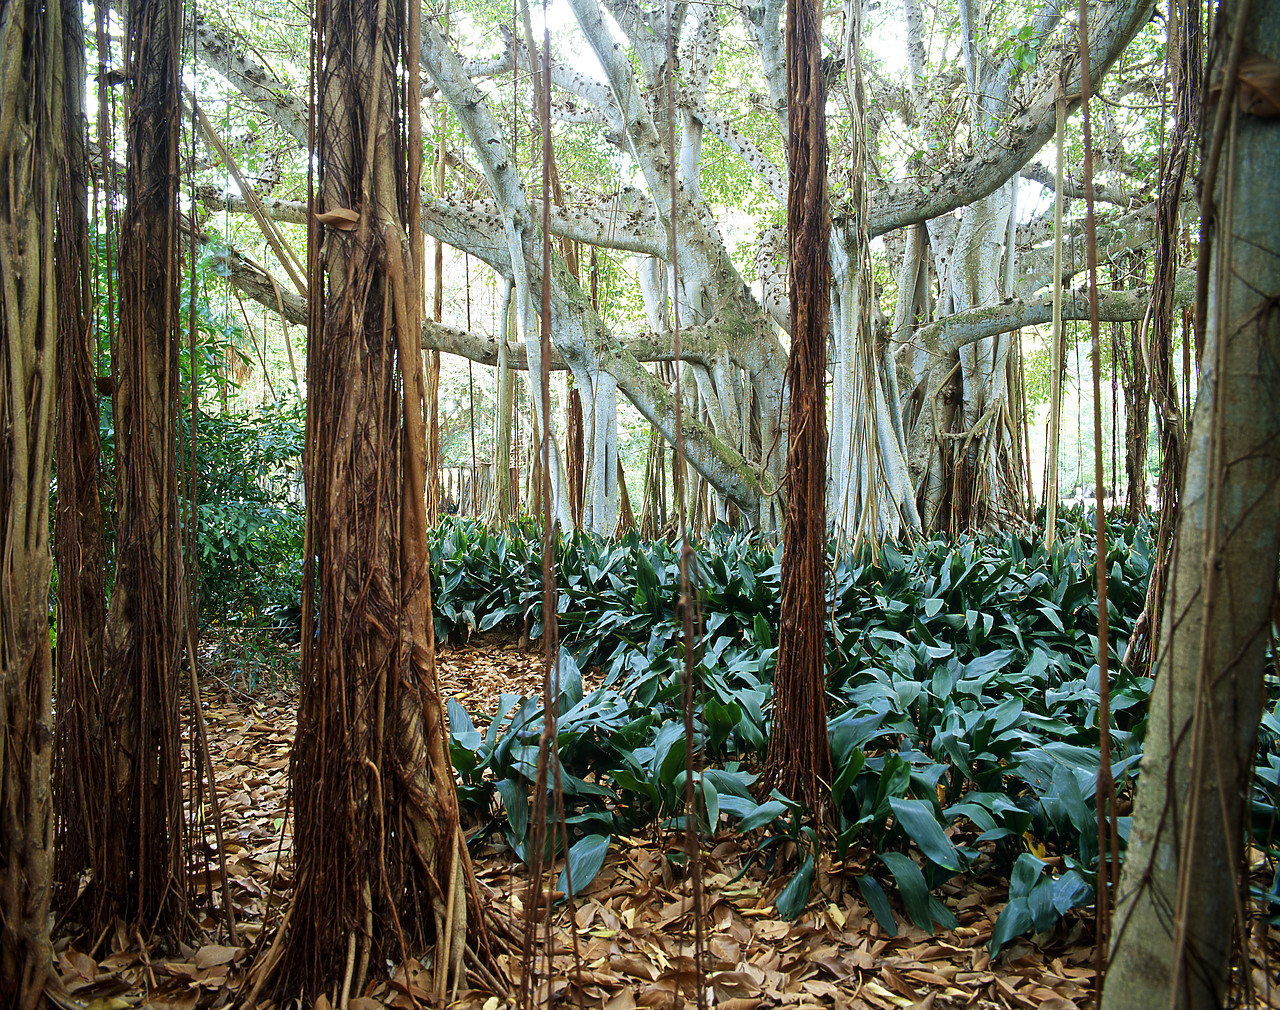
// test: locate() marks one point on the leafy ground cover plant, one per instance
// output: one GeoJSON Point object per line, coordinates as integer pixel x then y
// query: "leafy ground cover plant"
{"type": "Point", "coordinates": [963, 695]}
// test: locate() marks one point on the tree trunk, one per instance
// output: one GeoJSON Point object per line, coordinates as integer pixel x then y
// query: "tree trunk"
{"type": "Point", "coordinates": [1182, 888]}
{"type": "Point", "coordinates": [575, 455]}
{"type": "Point", "coordinates": [1052, 445]}
{"type": "Point", "coordinates": [870, 495]}
{"type": "Point", "coordinates": [143, 880]}
{"type": "Point", "coordinates": [381, 866]}
{"type": "Point", "coordinates": [600, 494]}
{"type": "Point", "coordinates": [80, 770]}
{"type": "Point", "coordinates": [31, 138]}
{"type": "Point", "coordinates": [799, 754]}
{"type": "Point", "coordinates": [1184, 36]}
{"type": "Point", "coordinates": [500, 501]}
{"type": "Point", "coordinates": [1132, 365]}
{"type": "Point", "coordinates": [974, 455]}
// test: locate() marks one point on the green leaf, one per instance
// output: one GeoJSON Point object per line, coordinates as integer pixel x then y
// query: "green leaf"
{"type": "Point", "coordinates": [895, 779]}
{"type": "Point", "coordinates": [918, 821]}
{"type": "Point", "coordinates": [847, 775]}
{"type": "Point", "coordinates": [1026, 871]}
{"type": "Point", "coordinates": [711, 801]}
{"type": "Point", "coordinates": [991, 662]}
{"type": "Point", "coordinates": [586, 856]}
{"type": "Point", "coordinates": [765, 813]}
{"type": "Point", "coordinates": [1015, 919]}
{"type": "Point", "coordinates": [1070, 891]}
{"type": "Point", "coordinates": [911, 885]}
{"type": "Point", "coordinates": [764, 638]}
{"type": "Point", "coordinates": [1040, 904]}
{"type": "Point", "coordinates": [873, 894]}
{"type": "Point", "coordinates": [721, 720]}
{"type": "Point", "coordinates": [795, 895]}
{"type": "Point", "coordinates": [461, 728]}
{"type": "Point", "coordinates": [516, 803]}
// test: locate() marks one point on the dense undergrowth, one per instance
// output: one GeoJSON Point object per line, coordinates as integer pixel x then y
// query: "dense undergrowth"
{"type": "Point", "coordinates": [962, 691]}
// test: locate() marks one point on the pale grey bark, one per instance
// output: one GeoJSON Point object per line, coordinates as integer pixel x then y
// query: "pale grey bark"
{"type": "Point", "coordinates": [500, 498]}
{"type": "Point", "coordinates": [579, 334]}
{"type": "Point", "coordinates": [992, 163]}
{"type": "Point", "coordinates": [1180, 894]}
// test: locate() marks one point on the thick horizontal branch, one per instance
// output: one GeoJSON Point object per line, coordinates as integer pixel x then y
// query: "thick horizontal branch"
{"type": "Point", "coordinates": [697, 342]}
{"type": "Point", "coordinates": [1072, 190]}
{"type": "Point", "coordinates": [624, 221]}
{"type": "Point", "coordinates": [946, 336]}
{"type": "Point", "coordinates": [987, 169]}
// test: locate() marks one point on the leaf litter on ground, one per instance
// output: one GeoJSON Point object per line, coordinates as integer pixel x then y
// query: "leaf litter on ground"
{"type": "Point", "coordinates": [632, 924]}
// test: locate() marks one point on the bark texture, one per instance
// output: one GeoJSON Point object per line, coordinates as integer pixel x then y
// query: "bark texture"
{"type": "Point", "coordinates": [1180, 890]}
{"type": "Point", "coordinates": [81, 761]}
{"type": "Point", "coordinates": [381, 869]}
{"type": "Point", "coordinates": [799, 760]}
{"type": "Point", "coordinates": [142, 878]}
{"type": "Point", "coordinates": [31, 82]}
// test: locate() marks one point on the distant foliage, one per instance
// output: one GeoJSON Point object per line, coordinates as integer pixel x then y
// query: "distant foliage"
{"type": "Point", "coordinates": [251, 516]}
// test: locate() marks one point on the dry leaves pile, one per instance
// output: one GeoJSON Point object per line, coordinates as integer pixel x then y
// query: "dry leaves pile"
{"type": "Point", "coordinates": [627, 942]}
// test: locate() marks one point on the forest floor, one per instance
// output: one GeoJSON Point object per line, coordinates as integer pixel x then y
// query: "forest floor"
{"type": "Point", "coordinates": [632, 927]}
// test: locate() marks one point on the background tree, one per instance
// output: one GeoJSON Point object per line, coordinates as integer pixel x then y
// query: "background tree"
{"type": "Point", "coordinates": [79, 550]}
{"type": "Point", "coordinates": [31, 83]}
{"type": "Point", "coordinates": [143, 878]}
{"type": "Point", "coordinates": [380, 861]}
{"type": "Point", "coordinates": [955, 148]}
{"type": "Point", "coordinates": [1178, 905]}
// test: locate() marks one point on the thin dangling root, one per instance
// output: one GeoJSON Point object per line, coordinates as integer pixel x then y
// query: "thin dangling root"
{"type": "Point", "coordinates": [346, 976]}
{"type": "Point", "coordinates": [444, 949]}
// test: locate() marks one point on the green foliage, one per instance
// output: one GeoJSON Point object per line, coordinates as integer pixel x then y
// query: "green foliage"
{"type": "Point", "coordinates": [250, 525]}
{"type": "Point", "coordinates": [963, 693]}
{"type": "Point", "coordinates": [250, 518]}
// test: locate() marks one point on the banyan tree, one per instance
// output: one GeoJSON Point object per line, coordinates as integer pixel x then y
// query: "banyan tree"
{"type": "Point", "coordinates": [926, 413]}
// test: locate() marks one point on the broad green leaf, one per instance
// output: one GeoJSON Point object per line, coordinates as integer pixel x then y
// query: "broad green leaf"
{"type": "Point", "coordinates": [586, 856]}
{"type": "Point", "coordinates": [461, 727]}
{"type": "Point", "coordinates": [911, 885]}
{"type": "Point", "coordinates": [1070, 891]}
{"type": "Point", "coordinates": [1026, 871]}
{"type": "Point", "coordinates": [918, 821]}
{"type": "Point", "coordinates": [765, 813]}
{"type": "Point", "coordinates": [795, 895]}
{"type": "Point", "coordinates": [515, 801]}
{"type": "Point", "coordinates": [1014, 920]}
{"type": "Point", "coordinates": [873, 894]}
{"type": "Point", "coordinates": [991, 662]}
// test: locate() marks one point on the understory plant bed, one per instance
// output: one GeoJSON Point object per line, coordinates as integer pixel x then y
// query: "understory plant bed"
{"type": "Point", "coordinates": [962, 699]}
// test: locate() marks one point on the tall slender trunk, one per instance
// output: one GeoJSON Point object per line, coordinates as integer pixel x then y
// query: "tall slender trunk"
{"type": "Point", "coordinates": [500, 500]}
{"type": "Point", "coordinates": [1137, 406]}
{"type": "Point", "coordinates": [575, 454]}
{"type": "Point", "coordinates": [81, 761]}
{"type": "Point", "coordinates": [1182, 889]}
{"type": "Point", "coordinates": [437, 308]}
{"type": "Point", "coordinates": [1051, 492]}
{"type": "Point", "coordinates": [31, 138]}
{"type": "Point", "coordinates": [799, 754]}
{"type": "Point", "coordinates": [144, 876]}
